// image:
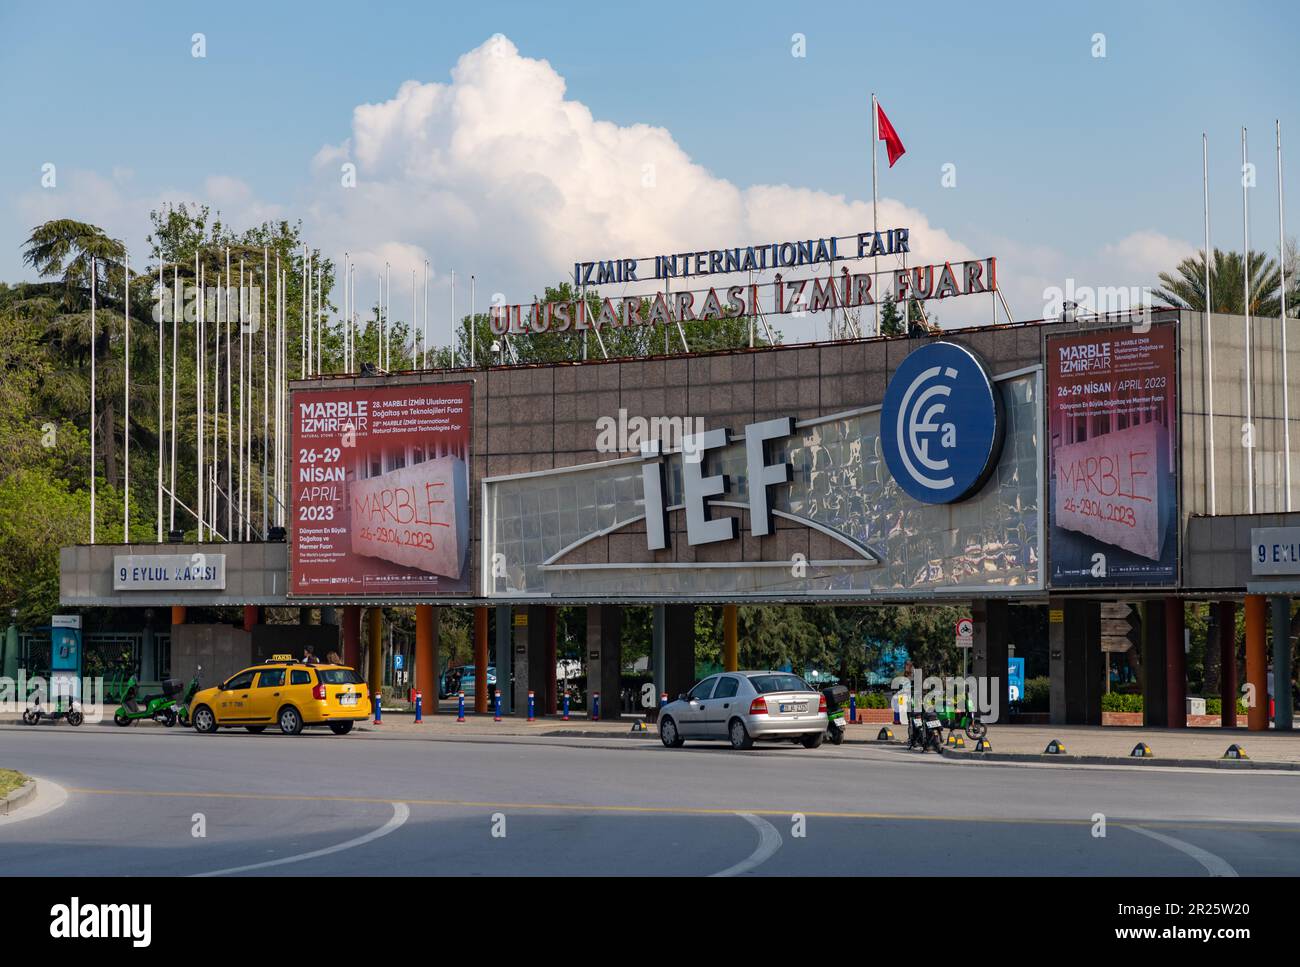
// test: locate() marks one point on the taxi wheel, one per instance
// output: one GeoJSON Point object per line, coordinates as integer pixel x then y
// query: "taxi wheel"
{"type": "Point", "coordinates": [256, 729]}
{"type": "Point", "coordinates": [290, 720]}
{"type": "Point", "coordinates": [204, 720]}
{"type": "Point", "coordinates": [340, 728]}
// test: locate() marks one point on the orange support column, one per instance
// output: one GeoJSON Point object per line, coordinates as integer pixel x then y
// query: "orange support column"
{"type": "Point", "coordinates": [178, 614]}
{"type": "Point", "coordinates": [1257, 662]}
{"type": "Point", "coordinates": [252, 617]}
{"type": "Point", "coordinates": [426, 657]}
{"type": "Point", "coordinates": [481, 660]}
{"type": "Point", "coordinates": [352, 635]}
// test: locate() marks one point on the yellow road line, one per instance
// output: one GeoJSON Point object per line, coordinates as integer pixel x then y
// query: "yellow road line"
{"type": "Point", "coordinates": [677, 810]}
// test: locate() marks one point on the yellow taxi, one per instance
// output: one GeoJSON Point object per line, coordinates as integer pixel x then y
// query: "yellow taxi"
{"type": "Point", "coordinates": [284, 692]}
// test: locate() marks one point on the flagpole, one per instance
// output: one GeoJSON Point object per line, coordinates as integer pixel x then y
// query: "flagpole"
{"type": "Point", "coordinates": [266, 415]}
{"type": "Point", "coordinates": [875, 204]}
{"type": "Point", "coordinates": [176, 334]}
{"type": "Point", "coordinates": [126, 400]}
{"type": "Point", "coordinates": [1281, 261]}
{"type": "Point", "coordinates": [1245, 232]}
{"type": "Point", "coordinates": [415, 313]}
{"type": "Point", "coordinates": [161, 416]}
{"type": "Point", "coordinates": [386, 330]}
{"type": "Point", "coordinates": [200, 375]}
{"type": "Point", "coordinates": [473, 340]}
{"type": "Point", "coordinates": [214, 530]}
{"type": "Point", "coordinates": [230, 449]}
{"type": "Point", "coordinates": [424, 341]}
{"type": "Point", "coordinates": [93, 339]}
{"type": "Point", "coordinates": [454, 338]}
{"type": "Point", "coordinates": [1209, 331]}
{"type": "Point", "coordinates": [320, 308]}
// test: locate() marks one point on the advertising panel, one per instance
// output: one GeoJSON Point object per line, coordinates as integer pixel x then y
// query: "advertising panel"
{"type": "Point", "coordinates": [380, 498]}
{"type": "Point", "coordinates": [1112, 431]}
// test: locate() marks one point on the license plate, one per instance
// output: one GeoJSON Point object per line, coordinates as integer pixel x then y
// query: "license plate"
{"type": "Point", "coordinates": [916, 722]}
{"type": "Point", "coordinates": [838, 718]}
{"type": "Point", "coordinates": [794, 706]}
{"type": "Point", "coordinates": [349, 698]}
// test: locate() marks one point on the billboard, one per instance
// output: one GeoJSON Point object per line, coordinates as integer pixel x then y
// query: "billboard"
{"type": "Point", "coordinates": [380, 497]}
{"type": "Point", "coordinates": [1112, 431]}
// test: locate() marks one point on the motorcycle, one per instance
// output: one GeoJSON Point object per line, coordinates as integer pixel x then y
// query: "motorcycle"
{"type": "Point", "coordinates": [924, 730]}
{"type": "Point", "coordinates": [156, 707]}
{"type": "Point", "coordinates": [967, 721]}
{"type": "Point", "coordinates": [181, 707]}
{"type": "Point", "coordinates": [837, 696]}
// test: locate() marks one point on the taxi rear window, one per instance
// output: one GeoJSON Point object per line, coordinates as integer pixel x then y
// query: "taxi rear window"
{"type": "Point", "coordinates": [338, 676]}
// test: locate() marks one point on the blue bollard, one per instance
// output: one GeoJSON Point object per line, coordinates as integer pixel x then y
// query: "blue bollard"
{"type": "Point", "coordinates": [379, 708]}
{"type": "Point", "coordinates": [566, 706]}
{"type": "Point", "coordinates": [595, 706]}
{"type": "Point", "coordinates": [497, 710]}
{"type": "Point", "coordinates": [460, 707]}
{"type": "Point", "coordinates": [419, 708]}
{"type": "Point", "coordinates": [532, 705]}
{"type": "Point", "coordinates": [853, 708]}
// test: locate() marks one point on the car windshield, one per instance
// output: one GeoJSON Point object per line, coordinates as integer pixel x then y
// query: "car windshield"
{"type": "Point", "coordinates": [338, 676]}
{"type": "Point", "coordinates": [765, 684]}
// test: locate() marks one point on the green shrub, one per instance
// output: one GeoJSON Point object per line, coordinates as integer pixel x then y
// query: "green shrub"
{"type": "Point", "coordinates": [1038, 695]}
{"type": "Point", "coordinates": [873, 699]}
{"type": "Point", "coordinates": [1121, 702]}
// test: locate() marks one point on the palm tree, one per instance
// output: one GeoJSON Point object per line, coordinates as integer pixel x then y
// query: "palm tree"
{"type": "Point", "coordinates": [1184, 288]}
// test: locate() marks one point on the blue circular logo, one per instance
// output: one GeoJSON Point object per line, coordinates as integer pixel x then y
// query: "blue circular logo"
{"type": "Point", "coordinates": [941, 424]}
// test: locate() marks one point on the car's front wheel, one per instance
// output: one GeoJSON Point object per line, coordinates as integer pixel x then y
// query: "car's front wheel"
{"type": "Point", "coordinates": [290, 720]}
{"type": "Point", "coordinates": [340, 728]}
{"type": "Point", "coordinates": [669, 735]}
{"type": "Point", "coordinates": [204, 720]}
{"type": "Point", "coordinates": [739, 735]}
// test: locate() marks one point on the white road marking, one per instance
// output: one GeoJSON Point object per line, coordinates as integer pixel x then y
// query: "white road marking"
{"type": "Point", "coordinates": [49, 797]}
{"type": "Point", "coordinates": [401, 812]}
{"type": "Point", "coordinates": [1216, 865]}
{"type": "Point", "coordinates": [769, 841]}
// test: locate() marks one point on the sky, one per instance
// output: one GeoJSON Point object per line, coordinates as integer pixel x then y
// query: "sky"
{"type": "Point", "coordinates": [509, 140]}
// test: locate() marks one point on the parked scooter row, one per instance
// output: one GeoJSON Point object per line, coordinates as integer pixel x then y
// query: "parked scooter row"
{"type": "Point", "coordinates": [167, 708]}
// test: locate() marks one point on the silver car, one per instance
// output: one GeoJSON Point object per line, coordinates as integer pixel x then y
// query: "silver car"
{"type": "Point", "coordinates": [742, 707]}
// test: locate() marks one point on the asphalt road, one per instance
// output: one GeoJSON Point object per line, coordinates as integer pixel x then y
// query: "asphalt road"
{"type": "Point", "coordinates": [318, 804]}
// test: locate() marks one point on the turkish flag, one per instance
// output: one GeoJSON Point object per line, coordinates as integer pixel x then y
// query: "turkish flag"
{"type": "Point", "coordinates": [893, 143]}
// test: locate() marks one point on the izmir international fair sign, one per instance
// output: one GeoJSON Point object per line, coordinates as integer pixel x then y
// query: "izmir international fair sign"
{"type": "Point", "coordinates": [838, 289]}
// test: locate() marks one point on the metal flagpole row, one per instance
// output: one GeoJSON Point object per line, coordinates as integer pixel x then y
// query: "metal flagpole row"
{"type": "Point", "coordinates": [1250, 424]}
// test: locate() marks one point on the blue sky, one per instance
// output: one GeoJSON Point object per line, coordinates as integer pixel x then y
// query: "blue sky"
{"type": "Point", "coordinates": [1059, 155]}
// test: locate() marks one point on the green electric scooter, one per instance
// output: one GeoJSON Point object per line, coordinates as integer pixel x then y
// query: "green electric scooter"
{"type": "Point", "coordinates": [159, 708]}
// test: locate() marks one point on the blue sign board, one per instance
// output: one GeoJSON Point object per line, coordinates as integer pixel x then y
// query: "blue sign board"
{"type": "Point", "coordinates": [1015, 679]}
{"type": "Point", "coordinates": [399, 661]}
{"type": "Point", "coordinates": [941, 424]}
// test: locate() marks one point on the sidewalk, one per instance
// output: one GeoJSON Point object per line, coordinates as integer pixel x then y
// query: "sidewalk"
{"type": "Point", "coordinates": [1111, 742]}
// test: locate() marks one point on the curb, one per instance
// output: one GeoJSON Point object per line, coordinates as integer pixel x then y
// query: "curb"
{"type": "Point", "coordinates": [1116, 760]}
{"type": "Point", "coordinates": [18, 797]}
